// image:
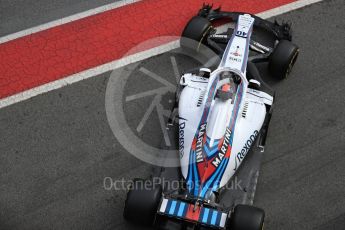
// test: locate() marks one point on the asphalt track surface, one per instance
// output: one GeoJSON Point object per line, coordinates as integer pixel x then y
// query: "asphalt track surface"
{"type": "Point", "coordinates": [57, 148]}
{"type": "Point", "coordinates": [16, 15]}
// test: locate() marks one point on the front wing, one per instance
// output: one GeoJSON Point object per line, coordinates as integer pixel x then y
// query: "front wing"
{"type": "Point", "coordinates": [280, 31]}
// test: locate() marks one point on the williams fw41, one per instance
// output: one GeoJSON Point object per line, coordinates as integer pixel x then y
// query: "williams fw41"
{"type": "Point", "coordinates": [224, 111]}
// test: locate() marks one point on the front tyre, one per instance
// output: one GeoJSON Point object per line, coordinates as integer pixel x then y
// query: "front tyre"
{"type": "Point", "coordinates": [282, 59]}
{"type": "Point", "coordinates": [195, 33]}
{"type": "Point", "coordinates": [142, 202]}
{"type": "Point", "coordinates": [247, 217]}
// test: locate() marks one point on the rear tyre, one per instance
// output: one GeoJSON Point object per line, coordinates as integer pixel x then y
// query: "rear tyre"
{"type": "Point", "coordinates": [141, 203]}
{"type": "Point", "coordinates": [195, 33]}
{"type": "Point", "coordinates": [283, 59]}
{"type": "Point", "coordinates": [247, 217]}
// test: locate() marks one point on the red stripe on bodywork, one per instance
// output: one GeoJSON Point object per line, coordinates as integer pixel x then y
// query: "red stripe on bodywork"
{"type": "Point", "coordinates": [192, 214]}
{"type": "Point", "coordinates": [55, 53]}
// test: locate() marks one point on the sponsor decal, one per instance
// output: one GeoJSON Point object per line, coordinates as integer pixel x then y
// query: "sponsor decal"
{"type": "Point", "coordinates": [201, 78]}
{"type": "Point", "coordinates": [261, 46]}
{"type": "Point", "coordinates": [242, 33]}
{"type": "Point", "coordinates": [199, 144]}
{"type": "Point", "coordinates": [218, 159]}
{"type": "Point", "coordinates": [181, 138]}
{"type": "Point", "coordinates": [237, 53]}
{"type": "Point", "coordinates": [240, 155]}
{"type": "Point", "coordinates": [219, 36]}
{"type": "Point", "coordinates": [235, 59]}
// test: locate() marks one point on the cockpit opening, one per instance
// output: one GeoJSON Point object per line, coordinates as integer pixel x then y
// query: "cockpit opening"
{"type": "Point", "coordinates": [227, 86]}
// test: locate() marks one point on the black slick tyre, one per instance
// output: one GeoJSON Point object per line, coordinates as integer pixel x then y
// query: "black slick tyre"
{"type": "Point", "coordinates": [282, 59]}
{"type": "Point", "coordinates": [141, 203]}
{"type": "Point", "coordinates": [247, 217]}
{"type": "Point", "coordinates": [195, 33]}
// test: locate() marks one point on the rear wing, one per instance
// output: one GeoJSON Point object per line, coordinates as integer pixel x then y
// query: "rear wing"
{"type": "Point", "coordinates": [182, 210]}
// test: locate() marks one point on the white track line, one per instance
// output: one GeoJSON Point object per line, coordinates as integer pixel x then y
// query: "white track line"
{"type": "Point", "coordinates": [66, 20]}
{"type": "Point", "coordinates": [126, 60]}
{"type": "Point", "coordinates": [280, 10]}
{"type": "Point", "coordinates": [88, 73]}
{"type": "Point", "coordinates": [287, 8]}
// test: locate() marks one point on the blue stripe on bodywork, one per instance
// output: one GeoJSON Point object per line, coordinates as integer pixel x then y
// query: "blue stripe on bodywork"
{"type": "Point", "coordinates": [168, 206]}
{"type": "Point", "coordinates": [214, 217]}
{"type": "Point", "coordinates": [246, 53]}
{"type": "Point", "coordinates": [190, 172]}
{"type": "Point", "coordinates": [177, 208]}
{"type": "Point", "coordinates": [172, 207]}
{"type": "Point", "coordinates": [181, 209]}
{"type": "Point", "coordinates": [185, 210]}
{"type": "Point", "coordinates": [211, 151]}
{"type": "Point", "coordinates": [219, 217]}
{"type": "Point", "coordinates": [205, 216]}
{"type": "Point", "coordinates": [196, 178]}
{"type": "Point", "coordinates": [209, 182]}
{"type": "Point", "coordinates": [209, 218]}
{"type": "Point", "coordinates": [202, 211]}
{"type": "Point", "coordinates": [217, 181]}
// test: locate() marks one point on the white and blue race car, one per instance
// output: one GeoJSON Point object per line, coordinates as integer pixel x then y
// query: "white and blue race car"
{"type": "Point", "coordinates": [223, 113]}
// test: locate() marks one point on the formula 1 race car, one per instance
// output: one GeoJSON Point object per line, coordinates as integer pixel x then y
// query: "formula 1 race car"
{"type": "Point", "coordinates": [223, 114]}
